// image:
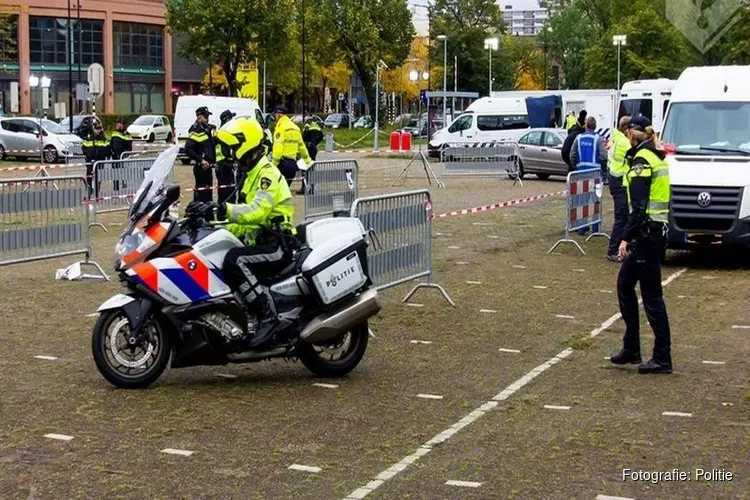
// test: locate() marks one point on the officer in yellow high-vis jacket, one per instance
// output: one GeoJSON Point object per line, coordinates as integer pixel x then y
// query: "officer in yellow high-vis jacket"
{"type": "Point", "coordinates": [643, 248]}
{"type": "Point", "coordinates": [263, 219]}
{"type": "Point", "coordinates": [288, 145]}
{"type": "Point", "coordinates": [619, 145]}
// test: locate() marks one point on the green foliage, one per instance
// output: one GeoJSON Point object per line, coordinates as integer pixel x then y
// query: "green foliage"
{"type": "Point", "coordinates": [229, 32]}
{"type": "Point", "coordinates": [734, 46]}
{"type": "Point", "coordinates": [8, 37]}
{"type": "Point", "coordinates": [570, 32]}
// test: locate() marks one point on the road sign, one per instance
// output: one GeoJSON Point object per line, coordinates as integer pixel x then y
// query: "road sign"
{"type": "Point", "coordinates": [423, 95]}
{"type": "Point", "coordinates": [96, 79]}
{"type": "Point", "coordinates": [341, 97]}
{"type": "Point", "coordinates": [82, 92]}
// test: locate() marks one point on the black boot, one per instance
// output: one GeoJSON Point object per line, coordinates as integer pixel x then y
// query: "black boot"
{"type": "Point", "coordinates": [653, 366]}
{"type": "Point", "coordinates": [267, 321]}
{"type": "Point", "coordinates": [301, 190]}
{"type": "Point", "coordinates": [626, 356]}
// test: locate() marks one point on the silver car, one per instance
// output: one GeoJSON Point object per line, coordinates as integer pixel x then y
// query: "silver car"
{"type": "Point", "coordinates": [540, 152]}
{"type": "Point", "coordinates": [23, 137]}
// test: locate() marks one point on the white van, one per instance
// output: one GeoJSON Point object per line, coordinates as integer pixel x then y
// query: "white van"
{"type": "Point", "coordinates": [485, 120]}
{"type": "Point", "coordinates": [648, 98]}
{"type": "Point", "coordinates": [184, 115]}
{"type": "Point", "coordinates": [707, 138]}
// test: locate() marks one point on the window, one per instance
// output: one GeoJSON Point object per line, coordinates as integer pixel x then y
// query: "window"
{"type": "Point", "coordinates": [502, 122]}
{"type": "Point", "coordinates": [532, 138]}
{"type": "Point", "coordinates": [551, 140]}
{"type": "Point", "coordinates": [11, 125]}
{"type": "Point", "coordinates": [48, 39]}
{"type": "Point", "coordinates": [158, 122]}
{"type": "Point", "coordinates": [138, 45]}
{"type": "Point", "coordinates": [462, 123]}
{"type": "Point", "coordinates": [723, 125]}
{"type": "Point", "coordinates": [29, 127]}
{"type": "Point", "coordinates": [664, 110]}
{"type": "Point", "coordinates": [635, 107]}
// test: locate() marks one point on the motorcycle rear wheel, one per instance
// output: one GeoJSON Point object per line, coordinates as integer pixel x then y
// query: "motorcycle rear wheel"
{"type": "Point", "coordinates": [139, 371]}
{"type": "Point", "coordinates": [353, 345]}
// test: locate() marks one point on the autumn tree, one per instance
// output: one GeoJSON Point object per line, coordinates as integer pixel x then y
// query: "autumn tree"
{"type": "Point", "coordinates": [8, 37]}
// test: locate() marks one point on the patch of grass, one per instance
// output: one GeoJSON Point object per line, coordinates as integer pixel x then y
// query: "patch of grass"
{"type": "Point", "coordinates": [580, 341]}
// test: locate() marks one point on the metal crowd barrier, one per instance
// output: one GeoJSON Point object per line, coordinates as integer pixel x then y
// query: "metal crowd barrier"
{"type": "Point", "coordinates": [331, 185]}
{"type": "Point", "coordinates": [115, 183]}
{"type": "Point", "coordinates": [584, 206]}
{"type": "Point", "coordinates": [482, 159]}
{"type": "Point", "coordinates": [400, 227]}
{"type": "Point", "coordinates": [45, 219]}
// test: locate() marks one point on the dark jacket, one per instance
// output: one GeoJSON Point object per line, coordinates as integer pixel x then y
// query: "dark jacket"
{"type": "Point", "coordinates": [120, 142]}
{"type": "Point", "coordinates": [574, 132]}
{"type": "Point", "coordinates": [96, 148]}
{"type": "Point", "coordinates": [312, 134]}
{"type": "Point", "coordinates": [640, 191]}
{"type": "Point", "coordinates": [200, 144]}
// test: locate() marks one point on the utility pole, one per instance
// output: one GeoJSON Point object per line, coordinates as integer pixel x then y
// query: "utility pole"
{"type": "Point", "coordinates": [70, 76]}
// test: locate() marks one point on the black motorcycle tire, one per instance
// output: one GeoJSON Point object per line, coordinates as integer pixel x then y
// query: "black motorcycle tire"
{"type": "Point", "coordinates": [99, 351]}
{"type": "Point", "coordinates": [360, 335]}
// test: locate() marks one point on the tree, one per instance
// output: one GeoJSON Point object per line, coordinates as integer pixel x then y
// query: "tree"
{"type": "Point", "coordinates": [229, 32]}
{"type": "Point", "coordinates": [734, 46]}
{"type": "Point", "coordinates": [8, 37]}
{"type": "Point", "coordinates": [366, 33]}
{"type": "Point", "coordinates": [397, 79]}
{"type": "Point", "coordinates": [527, 61]}
{"type": "Point", "coordinates": [568, 34]}
{"type": "Point", "coordinates": [214, 79]}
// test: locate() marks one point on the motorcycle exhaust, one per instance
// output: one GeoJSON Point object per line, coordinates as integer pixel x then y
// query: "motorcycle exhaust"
{"type": "Point", "coordinates": [330, 325]}
{"type": "Point", "coordinates": [245, 357]}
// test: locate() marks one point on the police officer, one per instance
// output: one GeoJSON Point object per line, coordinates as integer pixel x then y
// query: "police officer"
{"type": "Point", "coordinates": [312, 135]}
{"type": "Point", "coordinates": [200, 148]}
{"type": "Point", "coordinates": [589, 152]}
{"type": "Point", "coordinates": [287, 145]}
{"type": "Point", "coordinates": [120, 142]}
{"type": "Point", "coordinates": [618, 167]}
{"type": "Point", "coordinates": [96, 148]}
{"type": "Point", "coordinates": [643, 249]}
{"type": "Point", "coordinates": [570, 120]}
{"type": "Point", "coordinates": [225, 166]}
{"type": "Point", "coordinates": [263, 219]}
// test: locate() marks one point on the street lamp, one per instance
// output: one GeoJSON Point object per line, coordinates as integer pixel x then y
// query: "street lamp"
{"type": "Point", "coordinates": [619, 40]}
{"type": "Point", "coordinates": [414, 77]}
{"type": "Point", "coordinates": [377, 100]}
{"type": "Point", "coordinates": [43, 83]}
{"type": "Point", "coordinates": [547, 31]}
{"type": "Point", "coordinates": [445, 76]}
{"type": "Point", "coordinates": [491, 44]}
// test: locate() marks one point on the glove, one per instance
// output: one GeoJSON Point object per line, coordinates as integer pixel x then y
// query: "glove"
{"type": "Point", "coordinates": [221, 211]}
{"type": "Point", "coordinates": [194, 209]}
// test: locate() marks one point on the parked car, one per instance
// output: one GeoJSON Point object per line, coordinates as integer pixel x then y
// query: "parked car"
{"type": "Point", "coordinates": [364, 122]}
{"type": "Point", "coordinates": [21, 137]}
{"type": "Point", "coordinates": [540, 152]}
{"type": "Point", "coordinates": [151, 128]}
{"type": "Point", "coordinates": [81, 125]}
{"type": "Point", "coordinates": [336, 120]}
{"type": "Point", "coordinates": [416, 129]}
{"type": "Point", "coordinates": [301, 123]}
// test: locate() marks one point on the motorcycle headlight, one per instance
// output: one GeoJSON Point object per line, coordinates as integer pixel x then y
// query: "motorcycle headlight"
{"type": "Point", "coordinates": [129, 244]}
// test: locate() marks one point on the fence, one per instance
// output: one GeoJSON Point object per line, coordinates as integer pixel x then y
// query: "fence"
{"type": "Point", "coordinates": [499, 158]}
{"type": "Point", "coordinates": [45, 219]}
{"type": "Point", "coordinates": [584, 207]}
{"type": "Point", "coordinates": [115, 183]}
{"type": "Point", "coordinates": [400, 227]}
{"type": "Point", "coordinates": [331, 185]}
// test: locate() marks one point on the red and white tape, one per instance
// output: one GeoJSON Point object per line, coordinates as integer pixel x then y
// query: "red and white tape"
{"type": "Point", "coordinates": [496, 206]}
{"type": "Point", "coordinates": [16, 168]}
{"type": "Point", "coordinates": [209, 188]}
{"type": "Point", "coordinates": [372, 151]}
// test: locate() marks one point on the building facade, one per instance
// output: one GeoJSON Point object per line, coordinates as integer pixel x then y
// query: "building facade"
{"type": "Point", "coordinates": [524, 17]}
{"type": "Point", "coordinates": [128, 38]}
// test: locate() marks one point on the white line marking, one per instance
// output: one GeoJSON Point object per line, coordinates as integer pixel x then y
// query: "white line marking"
{"type": "Point", "coordinates": [326, 386]}
{"type": "Point", "coordinates": [226, 375]}
{"type": "Point", "coordinates": [741, 327]}
{"type": "Point", "coordinates": [429, 396]}
{"type": "Point", "coordinates": [676, 414]}
{"type": "Point", "coordinates": [48, 358]}
{"type": "Point", "coordinates": [92, 315]}
{"type": "Point", "coordinates": [443, 436]}
{"type": "Point", "coordinates": [473, 282]}
{"type": "Point", "coordinates": [709, 277]}
{"type": "Point", "coordinates": [173, 451]}
{"type": "Point", "coordinates": [461, 263]}
{"type": "Point", "coordinates": [513, 351]}
{"type": "Point", "coordinates": [454, 247]}
{"type": "Point", "coordinates": [727, 404]}
{"type": "Point", "coordinates": [553, 407]}
{"type": "Point", "coordinates": [414, 304]}
{"type": "Point", "coordinates": [493, 236]}
{"type": "Point", "coordinates": [681, 297]}
{"type": "Point", "coordinates": [490, 311]}
{"type": "Point", "coordinates": [608, 497]}
{"type": "Point", "coordinates": [483, 223]}
{"type": "Point", "coordinates": [608, 358]}
{"type": "Point", "coordinates": [520, 267]}
{"type": "Point", "coordinates": [465, 484]}
{"type": "Point", "coordinates": [59, 437]}
{"type": "Point", "coordinates": [564, 316]}
{"type": "Point", "coordinates": [606, 291]}
{"type": "Point", "coordinates": [578, 270]}
{"type": "Point", "coordinates": [706, 362]}
{"type": "Point", "coordinates": [540, 287]}
{"type": "Point", "coordinates": [425, 342]}
{"type": "Point", "coordinates": [304, 468]}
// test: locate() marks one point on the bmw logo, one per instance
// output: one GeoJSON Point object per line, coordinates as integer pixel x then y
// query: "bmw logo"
{"type": "Point", "coordinates": [192, 265]}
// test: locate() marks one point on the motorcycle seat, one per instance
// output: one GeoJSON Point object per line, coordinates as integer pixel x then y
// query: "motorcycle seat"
{"type": "Point", "coordinates": [292, 268]}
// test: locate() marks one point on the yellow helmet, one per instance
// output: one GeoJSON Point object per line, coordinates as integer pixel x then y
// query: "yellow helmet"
{"type": "Point", "coordinates": [241, 136]}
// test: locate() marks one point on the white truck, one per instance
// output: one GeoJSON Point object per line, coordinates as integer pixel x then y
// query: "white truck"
{"type": "Point", "coordinates": [707, 138]}
{"type": "Point", "coordinates": [648, 98]}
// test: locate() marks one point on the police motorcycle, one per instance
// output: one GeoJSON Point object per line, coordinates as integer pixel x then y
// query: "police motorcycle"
{"type": "Point", "coordinates": [177, 309]}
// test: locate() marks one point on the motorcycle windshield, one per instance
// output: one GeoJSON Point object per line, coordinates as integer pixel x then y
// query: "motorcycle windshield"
{"type": "Point", "coordinates": [153, 182]}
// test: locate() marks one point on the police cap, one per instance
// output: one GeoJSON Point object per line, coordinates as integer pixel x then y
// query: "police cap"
{"type": "Point", "coordinates": [226, 115]}
{"type": "Point", "coordinates": [639, 122]}
{"type": "Point", "coordinates": [203, 111]}
{"type": "Point", "coordinates": [280, 109]}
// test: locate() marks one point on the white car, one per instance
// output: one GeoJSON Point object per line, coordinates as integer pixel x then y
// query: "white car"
{"type": "Point", "coordinates": [22, 137]}
{"type": "Point", "coordinates": [151, 128]}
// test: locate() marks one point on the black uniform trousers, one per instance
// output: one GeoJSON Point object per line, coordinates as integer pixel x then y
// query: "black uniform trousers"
{"type": "Point", "coordinates": [225, 177]}
{"type": "Point", "coordinates": [620, 198]}
{"type": "Point", "coordinates": [92, 179]}
{"type": "Point", "coordinates": [288, 168]}
{"type": "Point", "coordinates": [243, 265]}
{"type": "Point", "coordinates": [644, 265]}
{"type": "Point", "coordinates": [203, 179]}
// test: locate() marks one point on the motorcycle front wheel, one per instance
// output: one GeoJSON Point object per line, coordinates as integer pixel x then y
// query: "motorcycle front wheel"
{"type": "Point", "coordinates": [339, 357]}
{"type": "Point", "coordinates": [126, 365]}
